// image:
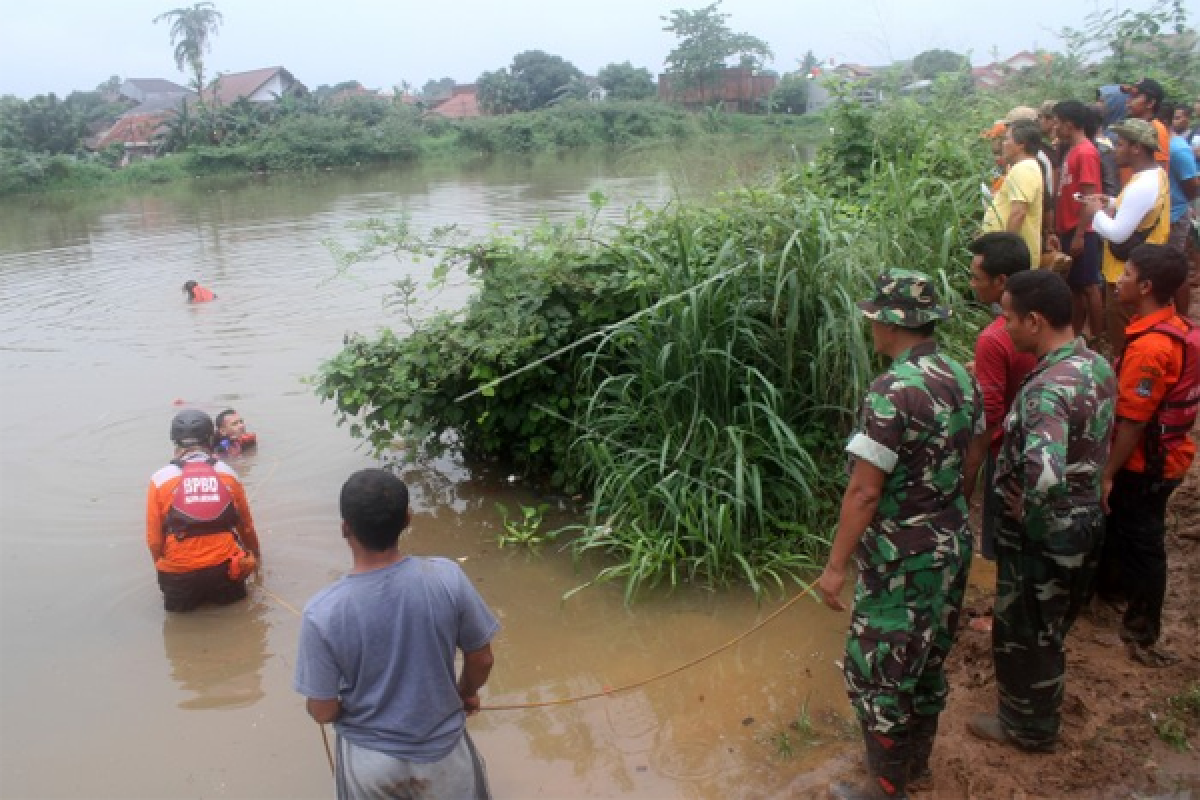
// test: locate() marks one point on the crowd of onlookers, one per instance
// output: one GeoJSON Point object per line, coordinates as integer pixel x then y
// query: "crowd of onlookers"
{"type": "Point", "coordinates": [1077, 409]}
{"type": "Point", "coordinates": [1122, 170]}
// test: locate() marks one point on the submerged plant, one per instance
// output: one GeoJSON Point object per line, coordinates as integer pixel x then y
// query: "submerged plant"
{"type": "Point", "coordinates": [524, 530]}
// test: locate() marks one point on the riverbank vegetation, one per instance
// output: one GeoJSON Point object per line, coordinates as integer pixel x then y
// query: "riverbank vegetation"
{"type": "Point", "coordinates": [694, 372]}
{"type": "Point", "coordinates": [691, 372]}
{"type": "Point", "coordinates": [297, 136]}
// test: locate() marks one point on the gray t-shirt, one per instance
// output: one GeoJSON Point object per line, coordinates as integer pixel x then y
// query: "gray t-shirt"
{"type": "Point", "coordinates": [383, 643]}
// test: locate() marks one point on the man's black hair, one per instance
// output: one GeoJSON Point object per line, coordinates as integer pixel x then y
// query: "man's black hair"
{"type": "Point", "coordinates": [1164, 266]}
{"type": "Point", "coordinates": [1043, 292]}
{"type": "Point", "coordinates": [1091, 123]}
{"type": "Point", "coordinates": [1074, 112]}
{"type": "Point", "coordinates": [926, 329]}
{"type": "Point", "coordinates": [1003, 253]}
{"type": "Point", "coordinates": [1026, 133]}
{"type": "Point", "coordinates": [220, 419]}
{"type": "Point", "coordinates": [374, 504]}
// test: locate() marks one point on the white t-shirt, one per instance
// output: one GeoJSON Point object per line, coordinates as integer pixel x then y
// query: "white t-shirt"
{"type": "Point", "coordinates": [1139, 199]}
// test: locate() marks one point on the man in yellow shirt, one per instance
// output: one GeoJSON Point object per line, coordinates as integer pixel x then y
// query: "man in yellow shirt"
{"type": "Point", "coordinates": [1017, 207]}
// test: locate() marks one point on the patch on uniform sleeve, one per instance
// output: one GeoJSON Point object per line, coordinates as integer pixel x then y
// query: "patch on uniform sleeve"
{"type": "Point", "coordinates": [868, 449]}
{"type": "Point", "coordinates": [1145, 387]}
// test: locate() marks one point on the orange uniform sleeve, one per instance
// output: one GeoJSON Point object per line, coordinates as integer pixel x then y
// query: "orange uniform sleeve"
{"type": "Point", "coordinates": [154, 524]}
{"type": "Point", "coordinates": [1146, 369]}
{"type": "Point", "coordinates": [246, 529]}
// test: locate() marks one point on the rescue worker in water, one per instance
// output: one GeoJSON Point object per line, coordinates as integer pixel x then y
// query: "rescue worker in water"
{"type": "Point", "coordinates": [198, 524]}
{"type": "Point", "coordinates": [197, 293]}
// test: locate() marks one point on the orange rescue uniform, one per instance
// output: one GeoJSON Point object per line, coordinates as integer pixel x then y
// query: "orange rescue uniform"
{"type": "Point", "coordinates": [195, 552]}
{"type": "Point", "coordinates": [1151, 365]}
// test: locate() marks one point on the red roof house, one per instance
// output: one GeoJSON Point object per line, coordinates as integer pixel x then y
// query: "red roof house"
{"type": "Point", "coordinates": [461, 104]}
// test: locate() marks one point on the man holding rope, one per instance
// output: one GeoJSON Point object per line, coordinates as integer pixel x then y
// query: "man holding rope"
{"type": "Point", "coordinates": [376, 657]}
{"type": "Point", "coordinates": [915, 459]}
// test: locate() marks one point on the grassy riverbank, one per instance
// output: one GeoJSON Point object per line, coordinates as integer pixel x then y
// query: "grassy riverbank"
{"type": "Point", "coordinates": [310, 141]}
{"type": "Point", "coordinates": [693, 372]}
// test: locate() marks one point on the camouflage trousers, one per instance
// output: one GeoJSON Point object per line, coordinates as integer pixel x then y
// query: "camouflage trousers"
{"type": "Point", "coordinates": [901, 631]}
{"type": "Point", "coordinates": [1040, 588]}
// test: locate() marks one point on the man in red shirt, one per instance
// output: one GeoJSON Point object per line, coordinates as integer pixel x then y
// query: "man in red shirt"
{"type": "Point", "coordinates": [1158, 380]}
{"type": "Point", "coordinates": [1082, 175]}
{"type": "Point", "coordinates": [999, 368]}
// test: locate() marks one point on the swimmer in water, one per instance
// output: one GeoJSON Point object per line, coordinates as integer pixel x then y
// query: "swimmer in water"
{"type": "Point", "coordinates": [197, 293]}
{"type": "Point", "coordinates": [232, 438]}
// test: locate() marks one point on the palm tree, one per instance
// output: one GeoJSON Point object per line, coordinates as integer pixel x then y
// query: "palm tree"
{"type": "Point", "coordinates": [190, 32]}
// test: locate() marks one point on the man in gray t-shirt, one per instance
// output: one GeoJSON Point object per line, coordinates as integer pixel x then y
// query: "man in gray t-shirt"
{"type": "Point", "coordinates": [377, 649]}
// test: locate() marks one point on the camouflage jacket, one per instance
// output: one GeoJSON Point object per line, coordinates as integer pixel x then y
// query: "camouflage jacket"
{"type": "Point", "coordinates": [1056, 440]}
{"type": "Point", "coordinates": [918, 419]}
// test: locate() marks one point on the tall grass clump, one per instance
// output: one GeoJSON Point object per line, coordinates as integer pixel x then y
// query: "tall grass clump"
{"type": "Point", "coordinates": [694, 373]}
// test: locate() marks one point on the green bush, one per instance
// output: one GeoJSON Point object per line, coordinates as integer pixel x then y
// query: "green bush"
{"type": "Point", "coordinates": [693, 373]}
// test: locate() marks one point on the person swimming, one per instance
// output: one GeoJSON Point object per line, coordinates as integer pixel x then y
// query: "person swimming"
{"type": "Point", "coordinates": [197, 293]}
{"type": "Point", "coordinates": [231, 438]}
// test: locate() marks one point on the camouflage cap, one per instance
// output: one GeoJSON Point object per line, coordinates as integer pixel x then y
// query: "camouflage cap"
{"type": "Point", "coordinates": [904, 298]}
{"type": "Point", "coordinates": [1138, 131]}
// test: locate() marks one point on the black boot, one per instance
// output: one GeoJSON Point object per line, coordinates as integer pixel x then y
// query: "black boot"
{"type": "Point", "coordinates": [922, 732]}
{"type": "Point", "coordinates": [887, 767]}
{"type": "Point", "coordinates": [888, 759]}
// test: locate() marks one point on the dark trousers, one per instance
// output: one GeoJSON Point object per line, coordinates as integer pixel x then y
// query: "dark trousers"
{"type": "Point", "coordinates": [187, 591]}
{"type": "Point", "coordinates": [1135, 557]}
{"type": "Point", "coordinates": [1041, 585]}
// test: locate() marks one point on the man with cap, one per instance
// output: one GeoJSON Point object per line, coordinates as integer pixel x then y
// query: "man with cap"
{"type": "Point", "coordinates": [1140, 214]}
{"type": "Point", "coordinates": [1051, 529]}
{"type": "Point", "coordinates": [198, 524]}
{"type": "Point", "coordinates": [914, 460]}
{"type": "Point", "coordinates": [1145, 99]}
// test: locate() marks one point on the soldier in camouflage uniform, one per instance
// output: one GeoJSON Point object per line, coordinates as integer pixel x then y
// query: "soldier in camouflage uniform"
{"type": "Point", "coordinates": [1048, 542]}
{"type": "Point", "coordinates": [904, 518]}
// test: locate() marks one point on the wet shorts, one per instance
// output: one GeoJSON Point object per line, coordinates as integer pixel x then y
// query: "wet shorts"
{"type": "Point", "coordinates": [187, 591]}
{"type": "Point", "coordinates": [1085, 270]}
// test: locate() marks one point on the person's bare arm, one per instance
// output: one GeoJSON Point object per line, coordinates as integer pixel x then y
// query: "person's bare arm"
{"type": "Point", "coordinates": [1017, 211]}
{"type": "Point", "coordinates": [1129, 433]}
{"type": "Point", "coordinates": [477, 666]}
{"type": "Point", "coordinates": [324, 711]}
{"type": "Point", "coordinates": [859, 505]}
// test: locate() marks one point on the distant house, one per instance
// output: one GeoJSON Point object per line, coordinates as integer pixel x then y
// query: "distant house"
{"type": "Point", "coordinates": [462, 103]}
{"type": "Point", "coordinates": [135, 131]}
{"type": "Point", "coordinates": [141, 90]}
{"type": "Point", "coordinates": [997, 73]}
{"type": "Point", "coordinates": [858, 79]}
{"type": "Point", "coordinates": [739, 89]}
{"type": "Point", "coordinates": [136, 128]}
{"type": "Point", "coordinates": [257, 86]}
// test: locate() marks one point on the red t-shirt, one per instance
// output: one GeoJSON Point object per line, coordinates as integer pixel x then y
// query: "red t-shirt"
{"type": "Point", "coordinates": [1081, 166]}
{"type": "Point", "coordinates": [999, 368]}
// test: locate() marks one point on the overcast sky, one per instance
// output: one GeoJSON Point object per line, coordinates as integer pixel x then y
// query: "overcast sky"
{"type": "Point", "coordinates": [61, 45]}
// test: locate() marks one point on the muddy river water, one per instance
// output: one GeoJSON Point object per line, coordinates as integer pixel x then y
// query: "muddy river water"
{"type": "Point", "coordinates": [103, 694]}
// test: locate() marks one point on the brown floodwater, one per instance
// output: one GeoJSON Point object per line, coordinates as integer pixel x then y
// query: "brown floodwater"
{"type": "Point", "coordinates": [103, 694]}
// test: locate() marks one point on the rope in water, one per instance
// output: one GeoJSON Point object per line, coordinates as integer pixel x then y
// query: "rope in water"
{"type": "Point", "coordinates": [807, 591]}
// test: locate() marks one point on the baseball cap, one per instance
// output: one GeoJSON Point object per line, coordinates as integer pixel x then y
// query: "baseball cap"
{"type": "Point", "coordinates": [1146, 86]}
